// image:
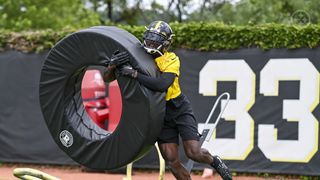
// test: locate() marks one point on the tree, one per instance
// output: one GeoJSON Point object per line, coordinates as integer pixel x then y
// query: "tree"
{"type": "Point", "coordinates": [210, 9]}
{"type": "Point", "coordinates": [157, 12]}
{"type": "Point", "coordinates": [56, 14]}
{"type": "Point", "coordinates": [256, 11]}
{"type": "Point", "coordinates": [41, 14]}
{"type": "Point", "coordinates": [116, 11]}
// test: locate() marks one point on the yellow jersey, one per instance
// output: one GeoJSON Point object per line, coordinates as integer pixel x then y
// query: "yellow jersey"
{"type": "Point", "coordinates": [169, 62]}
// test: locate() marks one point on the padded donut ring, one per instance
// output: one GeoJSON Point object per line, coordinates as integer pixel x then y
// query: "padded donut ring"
{"type": "Point", "coordinates": [62, 107]}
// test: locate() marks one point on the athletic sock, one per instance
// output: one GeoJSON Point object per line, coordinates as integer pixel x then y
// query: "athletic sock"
{"type": "Point", "coordinates": [221, 168]}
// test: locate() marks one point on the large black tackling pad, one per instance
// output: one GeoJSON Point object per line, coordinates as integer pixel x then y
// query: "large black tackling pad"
{"type": "Point", "coordinates": [64, 113]}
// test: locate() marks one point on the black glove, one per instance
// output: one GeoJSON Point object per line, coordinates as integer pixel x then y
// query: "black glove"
{"type": "Point", "coordinates": [119, 58]}
{"type": "Point", "coordinates": [128, 71]}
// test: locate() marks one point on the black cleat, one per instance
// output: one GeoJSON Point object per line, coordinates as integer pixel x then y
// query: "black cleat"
{"type": "Point", "coordinates": [221, 168]}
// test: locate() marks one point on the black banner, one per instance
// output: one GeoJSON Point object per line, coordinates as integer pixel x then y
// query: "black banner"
{"type": "Point", "coordinates": [24, 136]}
{"type": "Point", "coordinates": [270, 123]}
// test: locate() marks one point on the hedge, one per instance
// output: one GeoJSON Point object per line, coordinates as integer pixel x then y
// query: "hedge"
{"type": "Point", "coordinates": [198, 36]}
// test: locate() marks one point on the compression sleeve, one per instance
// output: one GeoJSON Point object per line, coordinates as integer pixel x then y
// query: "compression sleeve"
{"type": "Point", "coordinates": [161, 83]}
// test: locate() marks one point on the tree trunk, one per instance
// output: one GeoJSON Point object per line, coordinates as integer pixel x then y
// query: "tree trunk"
{"type": "Point", "coordinates": [203, 6]}
{"type": "Point", "coordinates": [95, 5]}
{"type": "Point", "coordinates": [170, 4]}
{"type": "Point", "coordinates": [179, 11]}
{"type": "Point", "coordinates": [109, 6]}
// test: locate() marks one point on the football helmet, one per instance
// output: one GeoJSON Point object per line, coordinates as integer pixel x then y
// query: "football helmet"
{"type": "Point", "coordinates": [157, 37]}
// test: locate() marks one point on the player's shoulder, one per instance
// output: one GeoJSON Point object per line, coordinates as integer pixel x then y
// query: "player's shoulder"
{"type": "Point", "coordinates": [172, 56]}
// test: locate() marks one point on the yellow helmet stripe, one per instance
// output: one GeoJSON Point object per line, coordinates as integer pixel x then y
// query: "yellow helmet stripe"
{"type": "Point", "coordinates": [158, 25]}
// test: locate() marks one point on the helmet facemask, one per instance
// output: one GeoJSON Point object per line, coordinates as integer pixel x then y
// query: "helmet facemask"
{"type": "Point", "coordinates": [155, 42]}
{"type": "Point", "coordinates": [152, 47]}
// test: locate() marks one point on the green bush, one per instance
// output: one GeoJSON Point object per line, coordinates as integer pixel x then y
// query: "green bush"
{"type": "Point", "coordinates": [31, 41]}
{"type": "Point", "coordinates": [197, 36]}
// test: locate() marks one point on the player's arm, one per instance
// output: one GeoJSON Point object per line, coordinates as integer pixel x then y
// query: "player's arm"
{"type": "Point", "coordinates": [109, 74]}
{"type": "Point", "coordinates": [161, 83]}
{"type": "Point", "coordinates": [118, 59]}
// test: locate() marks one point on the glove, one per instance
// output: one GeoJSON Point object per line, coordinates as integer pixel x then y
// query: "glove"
{"type": "Point", "coordinates": [119, 58]}
{"type": "Point", "coordinates": [128, 71]}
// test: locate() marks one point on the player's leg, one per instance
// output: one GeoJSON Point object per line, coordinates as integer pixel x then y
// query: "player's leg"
{"type": "Point", "coordinates": [188, 130]}
{"type": "Point", "coordinates": [168, 142]}
{"type": "Point", "coordinates": [187, 127]}
{"type": "Point", "coordinates": [170, 154]}
{"type": "Point", "coordinates": [201, 155]}
{"type": "Point", "coordinates": [194, 152]}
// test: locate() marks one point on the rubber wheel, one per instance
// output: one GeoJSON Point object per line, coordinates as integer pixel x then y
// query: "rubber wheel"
{"type": "Point", "coordinates": [62, 107]}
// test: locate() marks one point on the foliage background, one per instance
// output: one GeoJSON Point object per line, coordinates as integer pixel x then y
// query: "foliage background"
{"type": "Point", "coordinates": [198, 36]}
{"type": "Point", "coordinates": [20, 15]}
{"type": "Point", "coordinates": [36, 25]}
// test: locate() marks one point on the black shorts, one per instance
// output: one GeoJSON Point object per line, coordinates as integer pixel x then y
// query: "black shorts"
{"type": "Point", "coordinates": [179, 120]}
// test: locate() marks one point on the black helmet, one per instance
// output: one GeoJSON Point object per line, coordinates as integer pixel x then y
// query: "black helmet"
{"type": "Point", "coordinates": [157, 37]}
